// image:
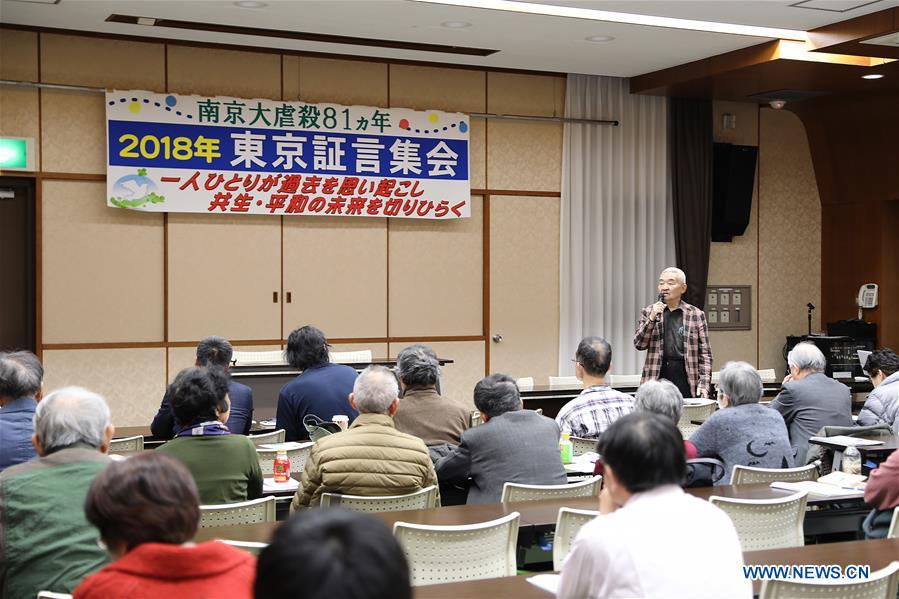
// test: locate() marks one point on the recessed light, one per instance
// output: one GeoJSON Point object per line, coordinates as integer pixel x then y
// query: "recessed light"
{"type": "Point", "coordinates": [149, 22]}
{"type": "Point", "coordinates": [455, 24]}
{"type": "Point", "coordinates": [599, 38]}
{"type": "Point", "coordinates": [250, 4]}
{"type": "Point", "coordinates": [873, 76]}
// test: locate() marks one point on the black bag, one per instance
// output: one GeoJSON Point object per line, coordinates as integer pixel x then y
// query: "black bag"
{"type": "Point", "coordinates": [703, 472]}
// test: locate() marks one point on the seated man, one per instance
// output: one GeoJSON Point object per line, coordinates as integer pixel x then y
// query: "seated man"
{"type": "Point", "coordinates": [333, 553]}
{"type": "Point", "coordinates": [645, 541]}
{"type": "Point", "coordinates": [598, 405]}
{"type": "Point", "coordinates": [513, 445]}
{"type": "Point", "coordinates": [422, 411]}
{"type": "Point", "coordinates": [47, 544]}
{"type": "Point", "coordinates": [21, 379]}
{"type": "Point", "coordinates": [809, 399]}
{"type": "Point", "coordinates": [322, 388]}
{"type": "Point", "coordinates": [743, 432]}
{"type": "Point", "coordinates": [372, 457]}
{"type": "Point", "coordinates": [212, 352]}
{"type": "Point", "coordinates": [882, 404]}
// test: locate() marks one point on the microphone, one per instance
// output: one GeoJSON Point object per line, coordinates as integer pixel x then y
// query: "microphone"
{"type": "Point", "coordinates": [661, 297]}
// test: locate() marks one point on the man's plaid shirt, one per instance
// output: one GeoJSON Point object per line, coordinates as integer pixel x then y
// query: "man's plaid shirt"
{"type": "Point", "coordinates": [697, 351]}
{"type": "Point", "coordinates": [593, 411]}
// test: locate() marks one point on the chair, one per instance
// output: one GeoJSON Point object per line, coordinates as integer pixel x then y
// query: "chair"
{"type": "Point", "coordinates": [564, 381]}
{"type": "Point", "coordinates": [881, 584]}
{"type": "Point", "coordinates": [766, 523]}
{"type": "Point", "coordinates": [351, 357]}
{"type": "Point", "coordinates": [265, 438]}
{"type": "Point", "coordinates": [420, 500]}
{"type": "Point", "coordinates": [525, 382]}
{"type": "Point", "coordinates": [716, 376]}
{"type": "Point", "coordinates": [768, 375]}
{"type": "Point", "coordinates": [438, 554]}
{"type": "Point", "coordinates": [297, 458]}
{"type": "Point", "coordinates": [581, 446]}
{"type": "Point", "coordinates": [253, 547]}
{"type": "Point", "coordinates": [519, 492]}
{"type": "Point", "coordinates": [246, 358]}
{"type": "Point", "coordinates": [568, 524]}
{"type": "Point", "coordinates": [893, 532]}
{"type": "Point", "coordinates": [747, 475]}
{"type": "Point", "coordinates": [693, 412]}
{"type": "Point", "coordinates": [624, 380]}
{"type": "Point", "coordinates": [476, 419]}
{"type": "Point", "coordinates": [127, 445]}
{"type": "Point", "coordinates": [244, 512]}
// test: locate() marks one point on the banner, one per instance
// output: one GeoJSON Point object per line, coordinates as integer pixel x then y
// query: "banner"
{"type": "Point", "coordinates": [173, 153]}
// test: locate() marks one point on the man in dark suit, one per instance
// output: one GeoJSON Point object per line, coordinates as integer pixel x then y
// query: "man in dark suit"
{"type": "Point", "coordinates": [214, 352]}
{"type": "Point", "coordinates": [513, 445]}
{"type": "Point", "coordinates": [809, 399]}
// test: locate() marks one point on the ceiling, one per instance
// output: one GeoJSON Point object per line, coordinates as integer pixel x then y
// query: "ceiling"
{"type": "Point", "coordinates": [524, 41]}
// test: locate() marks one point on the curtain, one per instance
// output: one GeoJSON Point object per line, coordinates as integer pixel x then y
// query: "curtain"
{"type": "Point", "coordinates": [616, 228]}
{"type": "Point", "coordinates": [691, 182]}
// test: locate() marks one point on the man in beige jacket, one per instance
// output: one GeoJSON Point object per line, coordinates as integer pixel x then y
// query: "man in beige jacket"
{"type": "Point", "coordinates": [372, 457]}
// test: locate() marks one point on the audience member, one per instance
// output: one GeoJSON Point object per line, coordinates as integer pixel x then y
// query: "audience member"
{"type": "Point", "coordinates": [882, 492]}
{"type": "Point", "coordinates": [645, 541]}
{"type": "Point", "coordinates": [743, 432]}
{"type": "Point", "coordinates": [325, 554]}
{"type": "Point", "coordinates": [212, 352]}
{"type": "Point", "coordinates": [598, 405]}
{"type": "Point", "coordinates": [513, 445]}
{"type": "Point", "coordinates": [147, 511]}
{"type": "Point", "coordinates": [372, 457]}
{"type": "Point", "coordinates": [21, 380]}
{"type": "Point", "coordinates": [664, 398]}
{"type": "Point", "coordinates": [422, 411]}
{"type": "Point", "coordinates": [882, 404]}
{"type": "Point", "coordinates": [321, 389]}
{"type": "Point", "coordinates": [225, 467]}
{"type": "Point", "coordinates": [46, 543]}
{"type": "Point", "coordinates": [809, 400]}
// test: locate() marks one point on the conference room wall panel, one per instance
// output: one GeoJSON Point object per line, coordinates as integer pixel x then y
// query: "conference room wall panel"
{"type": "Point", "coordinates": [524, 155]}
{"type": "Point", "coordinates": [131, 380]}
{"type": "Point", "coordinates": [98, 62]}
{"type": "Point", "coordinates": [19, 112]}
{"type": "Point", "coordinates": [73, 132]}
{"type": "Point", "coordinates": [102, 269]}
{"type": "Point", "coordinates": [459, 378]}
{"type": "Point", "coordinates": [19, 52]}
{"type": "Point", "coordinates": [213, 71]}
{"type": "Point", "coordinates": [524, 94]}
{"type": "Point", "coordinates": [350, 82]}
{"type": "Point", "coordinates": [438, 88]}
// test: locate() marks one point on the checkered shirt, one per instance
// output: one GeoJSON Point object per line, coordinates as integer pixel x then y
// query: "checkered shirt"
{"type": "Point", "coordinates": [593, 411]}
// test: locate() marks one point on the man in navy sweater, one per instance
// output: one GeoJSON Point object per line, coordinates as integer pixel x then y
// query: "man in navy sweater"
{"type": "Point", "coordinates": [322, 388]}
{"type": "Point", "coordinates": [212, 352]}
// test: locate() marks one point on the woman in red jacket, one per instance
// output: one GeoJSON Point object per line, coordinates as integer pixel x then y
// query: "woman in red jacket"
{"type": "Point", "coordinates": [147, 511]}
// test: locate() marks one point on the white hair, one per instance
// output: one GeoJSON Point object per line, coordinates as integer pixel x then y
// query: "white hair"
{"type": "Point", "coordinates": [71, 415]}
{"type": "Point", "coordinates": [679, 275]}
{"type": "Point", "coordinates": [375, 390]}
{"type": "Point", "coordinates": [807, 356]}
{"type": "Point", "coordinates": [741, 382]}
{"type": "Point", "coordinates": [660, 397]}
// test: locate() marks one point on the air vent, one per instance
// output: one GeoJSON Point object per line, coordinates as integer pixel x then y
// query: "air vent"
{"type": "Point", "coordinates": [788, 95]}
{"type": "Point", "coordinates": [833, 5]}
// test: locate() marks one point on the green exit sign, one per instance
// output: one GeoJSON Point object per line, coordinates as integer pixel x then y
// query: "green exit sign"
{"type": "Point", "coordinates": [17, 153]}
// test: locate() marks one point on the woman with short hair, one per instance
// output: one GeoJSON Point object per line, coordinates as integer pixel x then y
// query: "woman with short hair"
{"type": "Point", "coordinates": [147, 511]}
{"type": "Point", "coordinates": [882, 404]}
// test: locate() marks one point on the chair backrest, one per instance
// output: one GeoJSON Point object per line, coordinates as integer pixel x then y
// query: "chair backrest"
{"type": "Point", "coordinates": [476, 419]}
{"type": "Point", "coordinates": [624, 380]}
{"type": "Point", "coordinates": [893, 532]}
{"type": "Point", "coordinates": [568, 524]}
{"type": "Point", "coordinates": [245, 512]}
{"type": "Point", "coordinates": [525, 382]}
{"type": "Point", "coordinates": [438, 554]}
{"type": "Point", "coordinates": [420, 500]}
{"type": "Point", "coordinates": [693, 412]}
{"type": "Point", "coordinates": [881, 584]}
{"type": "Point", "coordinates": [768, 375]}
{"type": "Point", "coordinates": [716, 376]}
{"type": "Point", "coordinates": [581, 446]}
{"type": "Point", "coordinates": [297, 459]}
{"type": "Point", "coordinates": [127, 444]}
{"type": "Point", "coordinates": [564, 381]}
{"type": "Point", "coordinates": [766, 523]}
{"type": "Point", "coordinates": [246, 358]}
{"type": "Point", "coordinates": [272, 437]}
{"type": "Point", "coordinates": [519, 492]}
{"type": "Point", "coordinates": [351, 357]}
{"type": "Point", "coordinates": [254, 547]}
{"type": "Point", "coordinates": [747, 475]}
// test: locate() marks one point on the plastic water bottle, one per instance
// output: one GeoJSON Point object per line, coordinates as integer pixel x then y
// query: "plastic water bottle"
{"type": "Point", "coordinates": [852, 461]}
{"type": "Point", "coordinates": [282, 466]}
{"type": "Point", "coordinates": [566, 448]}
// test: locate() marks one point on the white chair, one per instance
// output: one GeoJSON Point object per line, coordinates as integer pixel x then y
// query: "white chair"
{"type": "Point", "coordinates": [244, 512]}
{"type": "Point", "coordinates": [351, 357]}
{"type": "Point", "coordinates": [476, 419]}
{"type": "Point", "coordinates": [893, 533]}
{"type": "Point", "coordinates": [581, 446]}
{"type": "Point", "coordinates": [747, 475]}
{"type": "Point", "coordinates": [882, 584]}
{"type": "Point", "coordinates": [254, 547]}
{"type": "Point", "coordinates": [519, 492]}
{"type": "Point", "coordinates": [624, 380]}
{"type": "Point", "coordinates": [265, 438]}
{"type": "Point", "coordinates": [247, 358]}
{"type": "Point", "coordinates": [420, 500]}
{"type": "Point", "coordinates": [564, 381]}
{"type": "Point", "coordinates": [439, 554]}
{"type": "Point", "coordinates": [127, 445]}
{"type": "Point", "coordinates": [716, 376]}
{"type": "Point", "coordinates": [766, 523]}
{"type": "Point", "coordinates": [568, 524]}
{"type": "Point", "coordinates": [767, 375]}
{"type": "Point", "coordinates": [297, 459]}
{"type": "Point", "coordinates": [525, 382]}
{"type": "Point", "coordinates": [693, 412]}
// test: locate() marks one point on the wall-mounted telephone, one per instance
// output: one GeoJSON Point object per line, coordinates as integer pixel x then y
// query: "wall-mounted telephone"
{"type": "Point", "coordinates": [867, 298]}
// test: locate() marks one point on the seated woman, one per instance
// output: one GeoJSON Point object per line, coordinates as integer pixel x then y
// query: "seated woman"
{"type": "Point", "coordinates": [743, 432]}
{"type": "Point", "coordinates": [882, 492]}
{"type": "Point", "coordinates": [224, 466]}
{"type": "Point", "coordinates": [147, 511]}
{"type": "Point", "coordinates": [882, 404]}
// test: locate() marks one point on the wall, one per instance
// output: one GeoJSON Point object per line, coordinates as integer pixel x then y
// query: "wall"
{"type": "Point", "coordinates": [124, 296]}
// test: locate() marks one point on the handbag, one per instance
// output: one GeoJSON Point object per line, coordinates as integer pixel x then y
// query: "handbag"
{"type": "Point", "coordinates": [318, 428]}
{"type": "Point", "coordinates": [703, 472]}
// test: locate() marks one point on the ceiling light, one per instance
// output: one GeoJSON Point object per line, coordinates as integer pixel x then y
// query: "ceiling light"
{"type": "Point", "coordinates": [590, 14]}
{"type": "Point", "coordinates": [455, 24]}
{"type": "Point", "coordinates": [599, 38]}
{"type": "Point", "coordinates": [250, 4]}
{"type": "Point", "coordinates": [873, 76]}
{"type": "Point", "coordinates": [149, 22]}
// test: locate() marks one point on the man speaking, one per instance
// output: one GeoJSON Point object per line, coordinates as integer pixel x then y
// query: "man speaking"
{"type": "Point", "coordinates": [677, 338]}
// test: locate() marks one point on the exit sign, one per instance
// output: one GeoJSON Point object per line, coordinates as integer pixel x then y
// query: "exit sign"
{"type": "Point", "coordinates": [16, 153]}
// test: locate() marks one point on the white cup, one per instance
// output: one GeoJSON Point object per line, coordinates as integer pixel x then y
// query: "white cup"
{"type": "Point", "coordinates": [342, 420]}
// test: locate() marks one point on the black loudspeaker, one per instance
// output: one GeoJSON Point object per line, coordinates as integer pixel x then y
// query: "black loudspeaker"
{"type": "Point", "coordinates": [733, 179]}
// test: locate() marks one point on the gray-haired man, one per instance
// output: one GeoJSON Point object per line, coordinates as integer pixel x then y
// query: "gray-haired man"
{"type": "Point", "coordinates": [21, 380]}
{"type": "Point", "coordinates": [47, 542]}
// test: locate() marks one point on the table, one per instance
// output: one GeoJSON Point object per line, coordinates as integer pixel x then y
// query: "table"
{"type": "Point", "coordinates": [879, 452]}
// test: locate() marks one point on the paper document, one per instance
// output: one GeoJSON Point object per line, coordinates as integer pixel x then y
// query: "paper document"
{"type": "Point", "coordinates": [270, 486]}
{"type": "Point", "coordinates": [547, 582]}
{"type": "Point", "coordinates": [289, 446]}
{"type": "Point", "coordinates": [815, 488]}
{"type": "Point", "coordinates": [847, 441]}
